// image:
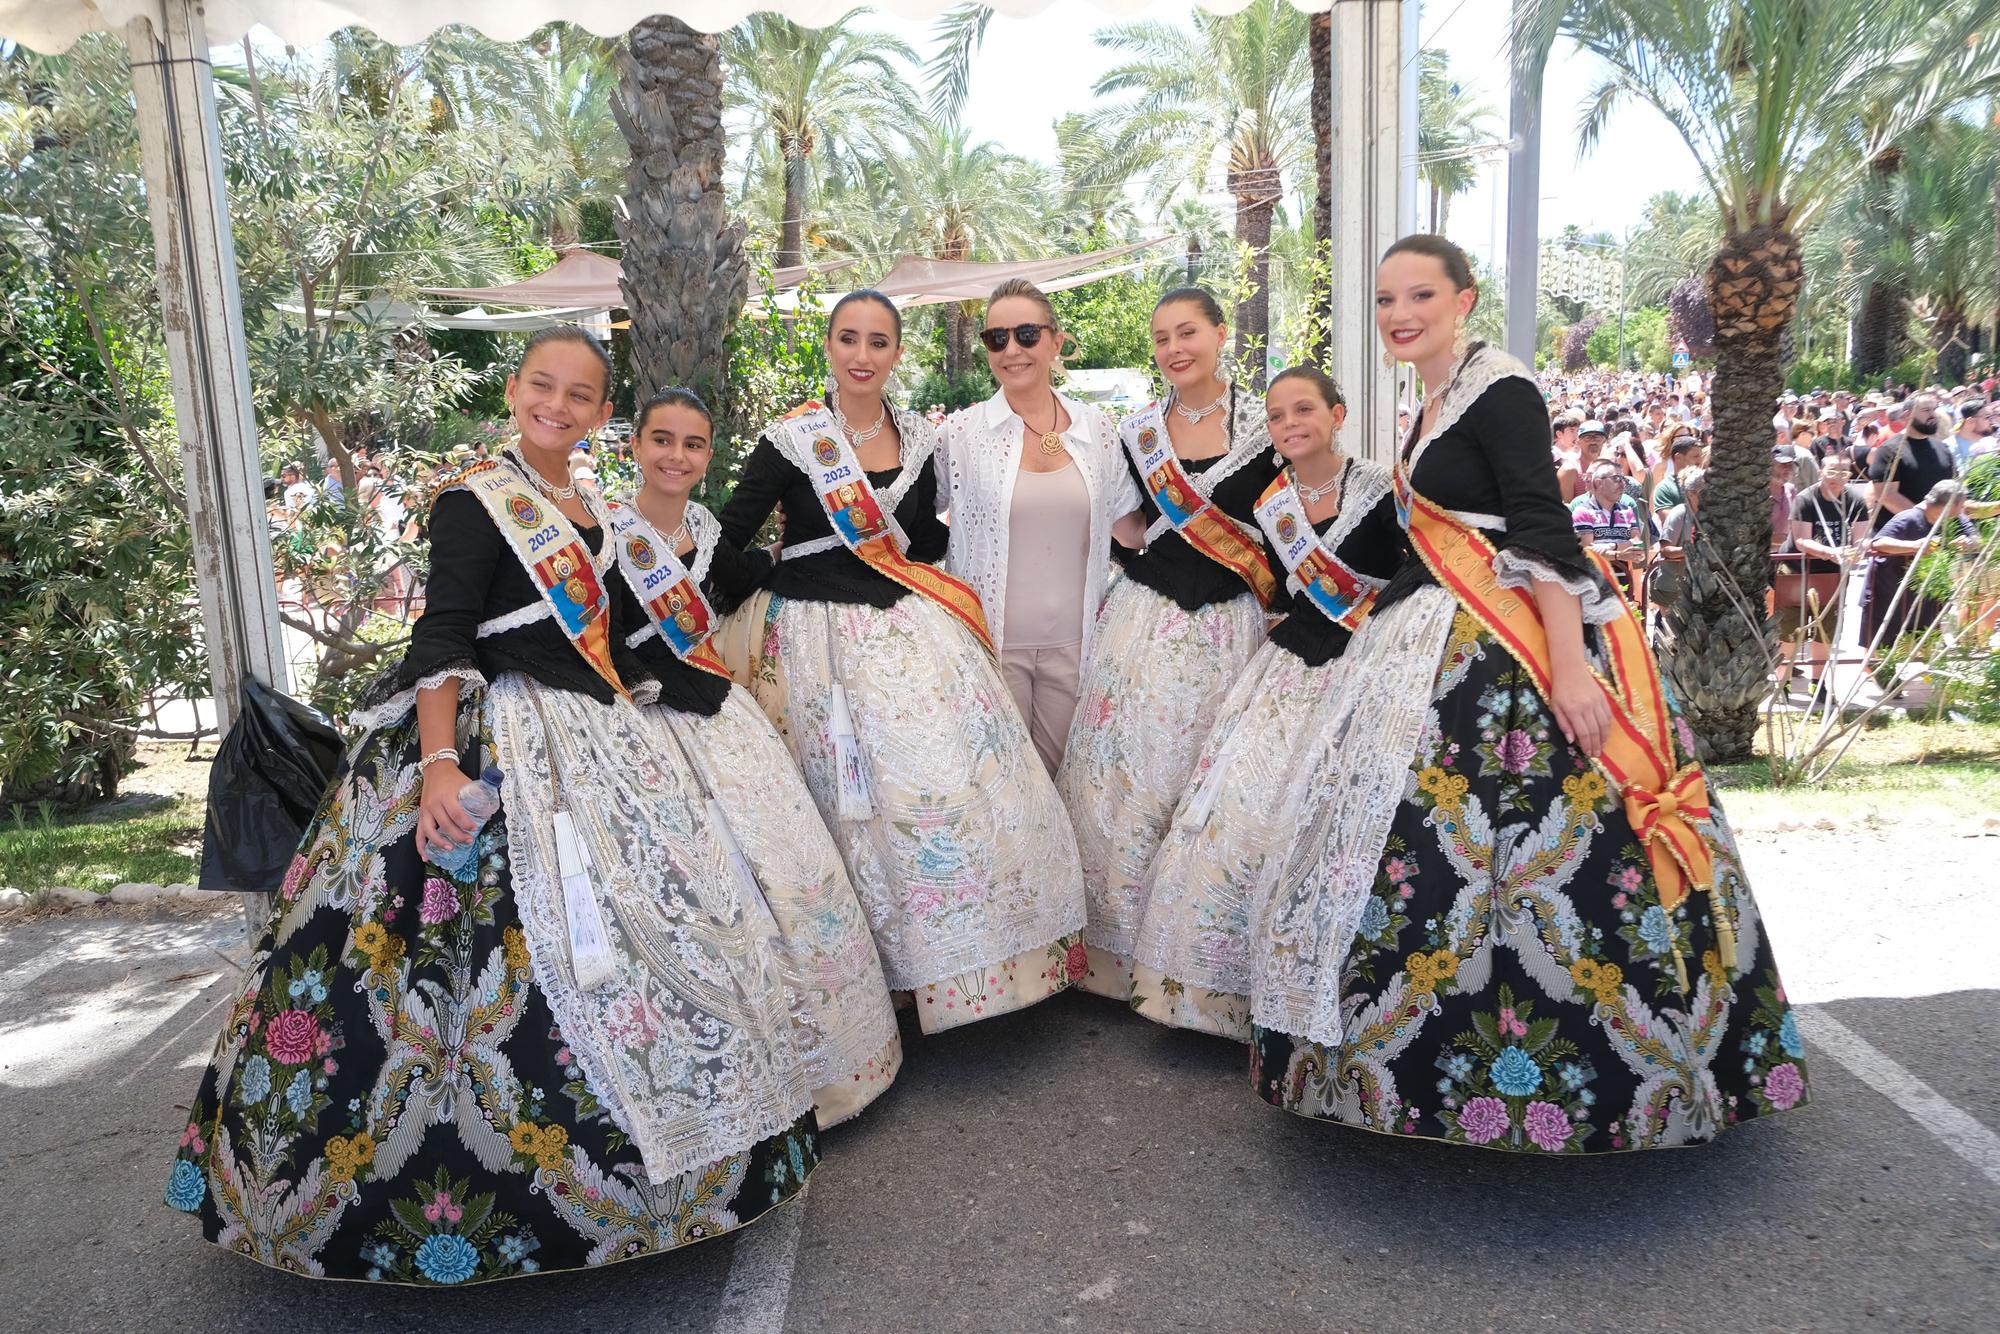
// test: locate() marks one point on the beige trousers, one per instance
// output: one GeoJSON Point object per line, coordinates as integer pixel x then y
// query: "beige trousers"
{"type": "Point", "coordinates": [1044, 683]}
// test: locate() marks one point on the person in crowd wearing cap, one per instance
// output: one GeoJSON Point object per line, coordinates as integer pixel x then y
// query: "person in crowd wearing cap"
{"type": "Point", "coordinates": [1974, 426]}
{"type": "Point", "coordinates": [1784, 494]}
{"type": "Point", "coordinates": [1590, 438]}
{"type": "Point", "coordinates": [1904, 470]}
{"type": "Point", "coordinates": [1890, 607]}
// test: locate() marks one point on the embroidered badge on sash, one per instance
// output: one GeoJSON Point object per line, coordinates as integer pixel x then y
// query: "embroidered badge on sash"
{"type": "Point", "coordinates": [1341, 593]}
{"type": "Point", "coordinates": [1193, 515]}
{"type": "Point", "coordinates": [672, 599]}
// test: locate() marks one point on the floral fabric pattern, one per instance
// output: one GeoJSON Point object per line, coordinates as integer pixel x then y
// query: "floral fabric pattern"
{"type": "Point", "coordinates": [966, 859]}
{"type": "Point", "coordinates": [1514, 980]}
{"type": "Point", "coordinates": [392, 1098]}
{"type": "Point", "coordinates": [1152, 688]}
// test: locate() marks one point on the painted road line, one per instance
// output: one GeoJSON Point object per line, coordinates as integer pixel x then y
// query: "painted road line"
{"type": "Point", "coordinates": [760, 1273]}
{"type": "Point", "coordinates": [1958, 1131]}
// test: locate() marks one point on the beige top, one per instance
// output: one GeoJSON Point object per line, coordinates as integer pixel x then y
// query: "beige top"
{"type": "Point", "coordinates": [1048, 545]}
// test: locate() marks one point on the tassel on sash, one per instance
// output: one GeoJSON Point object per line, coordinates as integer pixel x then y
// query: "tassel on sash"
{"type": "Point", "coordinates": [589, 943]}
{"type": "Point", "coordinates": [851, 801]}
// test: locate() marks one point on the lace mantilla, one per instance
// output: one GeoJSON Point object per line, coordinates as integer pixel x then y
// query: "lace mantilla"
{"type": "Point", "coordinates": [1249, 438]}
{"type": "Point", "coordinates": [1350, 779]}
{"type": "Point", "coordinates": [1485, 366]}
{"type": "Point", "coordinates": [691, 1047]}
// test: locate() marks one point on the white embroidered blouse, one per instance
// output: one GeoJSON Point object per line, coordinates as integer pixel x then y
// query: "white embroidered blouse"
{"type": "Point", "coordinates": [980, 453]}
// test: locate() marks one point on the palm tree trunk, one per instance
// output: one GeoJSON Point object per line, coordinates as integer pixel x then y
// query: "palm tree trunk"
{"type": "Point", "coordinates": [1319, 36]}
{"type": "Point", "coordinates": [1720, 657]}
{"type": "Point", "coordinates": [686, 275]}
{"type": "Point", "coordinates": [1950, 335]}
{"type": "Point", "coordinates": [1256, 191]}
{"type": "Point", "coordinates": [1885, 305]}
{"type": "Point", "coordinates": [791, 227]}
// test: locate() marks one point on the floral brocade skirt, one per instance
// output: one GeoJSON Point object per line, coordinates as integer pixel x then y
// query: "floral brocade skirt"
{"type": "Point", "coordinates": [413, 1086]}
{"type": "Point", "coordinates": [1156, 676]}
{"type": "Point", "coordinates": [1510, 977]}
{"type": "Point", "coordinates": [963, 860]}
{"type": "Point", "coordinates": [1227, 840]}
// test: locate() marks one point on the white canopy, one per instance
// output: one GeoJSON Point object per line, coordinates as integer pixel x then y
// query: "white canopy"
{"type": "Point", "coordinates": [51, 25]}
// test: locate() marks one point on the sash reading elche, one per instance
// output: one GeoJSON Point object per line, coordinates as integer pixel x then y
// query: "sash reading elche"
{"type": "Point", "coordinates": [1188, 509]}
{"type": "Point", "coordinates": [818, 445]}
{"type": "Point", "coordinates": [666, 590]}
{"type": "Point", "coordinates": [1342, 594]}
{"type": "Point", "coordinates": [552, 553]}
{"type": "Point", "coordinates": [1664, 804]}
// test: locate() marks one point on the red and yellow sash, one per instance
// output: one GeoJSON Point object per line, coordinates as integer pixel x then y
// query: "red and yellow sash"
{"type": "Point", "coordinates": [1664, 803]}
{"type": "Point", "coordinates": [1341, 594]}
{"type": "Point", "coordinates": [820, 447]}
{"type": "Point", "coordinates": [553, 554]}
{"type": "Point", "coordinates": [1182, 504]}
{"type": "Point", "coordinates": [679, 611]}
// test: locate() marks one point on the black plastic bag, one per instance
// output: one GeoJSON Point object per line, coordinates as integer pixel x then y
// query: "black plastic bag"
{"type": "Point", "coordinates": [268, 777]}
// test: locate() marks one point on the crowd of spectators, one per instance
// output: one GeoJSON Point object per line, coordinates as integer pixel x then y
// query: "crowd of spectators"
{"type": "Point", "coordinates": [1860, 486]}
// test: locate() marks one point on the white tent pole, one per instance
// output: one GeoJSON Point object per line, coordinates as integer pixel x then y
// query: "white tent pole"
{"type": "Point", "coordinates": [1524, 189]}
{"type": "Point", "coordinates": [1374, 197]}
{"type": "Point", "coordinates": [202, 315]}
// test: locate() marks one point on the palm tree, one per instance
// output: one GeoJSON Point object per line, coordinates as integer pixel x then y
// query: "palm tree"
{"type": "Point", "coordinates": [956, 199]}
{"type": "Point", "coordinates": [814, 93]}
{"type": "Point", "coordinates": [1233, 86]}
{"type": "Point", "coordinates": [685, 271]}
{"type": "Point", "coordinates": [1946, 262]}
{"type": "Point", "coordinates": [1449, 121]}
{"type": "Point", "coordinates": [1766, 95]}
{"type": "Point", "coordinates": [570, 145]}
{"type": "Point", "coordinates": [1675, 239]}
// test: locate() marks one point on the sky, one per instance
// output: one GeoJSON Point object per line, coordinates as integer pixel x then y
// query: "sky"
{"type": "Point", "coordinates": [1032, 71]}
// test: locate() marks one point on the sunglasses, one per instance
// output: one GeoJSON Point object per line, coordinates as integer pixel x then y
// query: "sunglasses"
{"type": "Point", "coordinates": [1027, 335]}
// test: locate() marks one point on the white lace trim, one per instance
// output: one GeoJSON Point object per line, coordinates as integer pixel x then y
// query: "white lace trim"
{"type": "Point", "coordinates": [812, 548]}
{"type": "Point", "coordinates": [400, 703]}
{"type": "Point", "coordinates": [646, 692]}
{"type": "Point", "coordinates": [691, 1046]}
{"type": "Point", "coordinates": [1367, 482]}
{"type": "Point", "coordinates": [1515, 568]}
{"type": "Point", "coordinates": [538, 610]}
{"type": "Point", "coordinates": [1487, 367]}
{"type": "Point", "coordinates": [706, 530]}
{"type": "Point", "coordinates": [1351, 776]}
{"type": "Point", "coordinates": [1250, 438]}
{"type": "Point", "coordinates": [1492, 523]}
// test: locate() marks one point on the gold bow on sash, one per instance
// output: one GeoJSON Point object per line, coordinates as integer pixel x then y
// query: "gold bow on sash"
{"type": "Point", "coordinates": [1664, 804]}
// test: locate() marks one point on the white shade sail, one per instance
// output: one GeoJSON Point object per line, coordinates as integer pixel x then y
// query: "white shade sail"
{"type": "Point", "coordinates": [51, 25]}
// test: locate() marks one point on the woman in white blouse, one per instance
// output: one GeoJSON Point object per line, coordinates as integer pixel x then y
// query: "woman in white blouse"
{"type": "Point", "coordinates": [1037, 489]}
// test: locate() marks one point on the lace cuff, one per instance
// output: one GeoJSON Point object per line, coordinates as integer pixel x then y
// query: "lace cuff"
{"type": "Point", "coordinates": [376, 711]}
{"type": "Point", "coordinates": [1518, 568]}
{"type": "Point", "coordinates": [646, 692]}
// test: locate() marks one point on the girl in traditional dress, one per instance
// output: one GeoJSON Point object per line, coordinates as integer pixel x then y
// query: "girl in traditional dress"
{"type": "Point", "coordinates": [1175, 632]}
{"type": "Point", "coordinates": [677, 577]}
{"type": "Point", "coordinates": [1037, 486]}
{"type": "Point", "coordinates": [877, 669]}
{"type": "Point", "coordinates": [1512, 915]}
{"type": "Point", "coordinates": [1329, 522]}
{"type": "Point", "coordinates": [575, 1045]}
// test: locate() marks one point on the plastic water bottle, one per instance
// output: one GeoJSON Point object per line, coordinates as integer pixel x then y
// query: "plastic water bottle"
{"type": "Point", "coordinates": [480, 800]}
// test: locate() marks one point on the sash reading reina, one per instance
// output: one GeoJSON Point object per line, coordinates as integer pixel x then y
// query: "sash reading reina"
{"type": "Point", "coordinates": [1342, 595]}
{"type": "Point", "coordinates": [859, 522]}
{"type": "Point", "coordinates": [1193, 515]}
{"type": "Point", "coordinates": [553, 554]}
{"type": "Point", "coordinates": [666, 590]}
{"type": "Point", "coordinates": [1664, 804]}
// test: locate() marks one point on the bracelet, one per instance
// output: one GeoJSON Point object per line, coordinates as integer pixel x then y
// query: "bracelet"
{"type": "Point", "coordinates": [448, 753]}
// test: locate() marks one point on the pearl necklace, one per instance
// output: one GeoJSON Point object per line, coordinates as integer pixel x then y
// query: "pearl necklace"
{"type": "Point", "coordinates": [1196, 416]}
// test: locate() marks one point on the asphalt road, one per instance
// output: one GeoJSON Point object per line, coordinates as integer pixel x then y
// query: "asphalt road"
{"type": "Point", "coordinates": [1078, 1167]}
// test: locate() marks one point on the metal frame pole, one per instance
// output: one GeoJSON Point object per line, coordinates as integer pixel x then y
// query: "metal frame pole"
{"type": "Point", "coordinates": [1374, 198]}
{"type": "Point", "coordinates": [202, 316]}
{"type": "Point", "coordinates": [1524, 188]}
